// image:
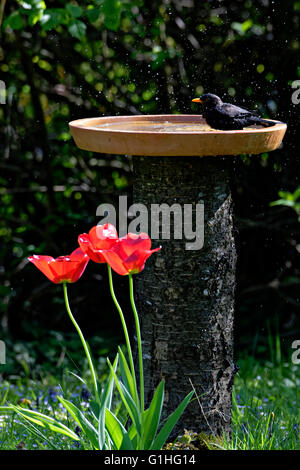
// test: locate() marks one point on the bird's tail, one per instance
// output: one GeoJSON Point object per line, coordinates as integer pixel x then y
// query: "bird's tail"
{"type": "Point", "coordinates": [266, 122]}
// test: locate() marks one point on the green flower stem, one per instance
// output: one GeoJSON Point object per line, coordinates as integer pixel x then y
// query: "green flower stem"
{"type": "Point", "coordinates": [123, 323]}
{"type": "Point", "coordinates": [138, 332]}
{"type": "Point", "coordinates": [83, 342]}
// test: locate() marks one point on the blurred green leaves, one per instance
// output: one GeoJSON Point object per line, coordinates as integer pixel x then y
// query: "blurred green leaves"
{"type": "Point", "coordinates": [32, 9]}
{"type": "Point", "coordinates": [65, 60]}
{"type": "Point", "coordinates": [77, 29]}
{"type": "Point", "coordinates": [50, 18]}
{"type": "Point", "coordinates": [242, 28]}
{"type": "Point", "coordinates": [112, 10]}
{"type": "Point", "coordinates": [74, 10]}
{"type": "Point", "coordinates": [289, 199]}
{"type": "Point", "coordinates": [14, 21]}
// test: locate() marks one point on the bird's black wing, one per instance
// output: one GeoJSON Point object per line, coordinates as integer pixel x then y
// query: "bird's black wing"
{"type": "Point", "coordinates": [234, 111]}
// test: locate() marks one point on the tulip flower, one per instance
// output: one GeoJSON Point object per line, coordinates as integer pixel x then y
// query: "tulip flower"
{"type": "Point", "coordinates": [126, 255]}
{"type": "Point", "coordinates": [99, 238]}
{"type": "Point", "coordinates": [62, 269]}
{"type": "Point", "coordinates": [129, 254]}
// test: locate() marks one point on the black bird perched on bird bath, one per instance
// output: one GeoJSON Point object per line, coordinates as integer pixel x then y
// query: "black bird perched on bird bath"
{"type": "Point", "coordinates": [226, 116]}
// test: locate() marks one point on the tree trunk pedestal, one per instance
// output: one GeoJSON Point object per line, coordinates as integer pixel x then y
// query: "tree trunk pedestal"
{"type": "Point", "coordinates": [185, 298]}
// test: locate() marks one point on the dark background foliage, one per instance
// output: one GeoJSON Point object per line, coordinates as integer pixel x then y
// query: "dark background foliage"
{"type": "Point", "coordinates": [61, 61]}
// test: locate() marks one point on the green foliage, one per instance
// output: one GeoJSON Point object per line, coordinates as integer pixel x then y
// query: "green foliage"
{"type": "Point", "coordinates": [67, 60]}
{"type": "Point", "coordinates": [288, 199]}
{"type": "Point", "coordinates": [52, 18]}
{"type": "Point", "coordinates": [41, 420]}
{"type": "Point", "coordinates": [52, 352]}
{"type": "Point", "coordinates": [112, 10]}
{"type": "Point", "coordinates": [33, 11]}
{"type": "Point", "coordinates": [77, 29]}
{"type": "Point", "coordinates": [260, 389]}
{"type": "Point", "coordinates": [265, 413]}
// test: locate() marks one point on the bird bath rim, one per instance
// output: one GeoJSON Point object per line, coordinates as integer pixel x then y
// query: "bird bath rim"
{"type": "Point", "coordinates": [102, 135]}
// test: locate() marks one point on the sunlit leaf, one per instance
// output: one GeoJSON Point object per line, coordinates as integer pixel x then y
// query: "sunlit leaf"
{"type": "Point", "coordinates": [41, 420]}
{"type": "Point", "coordinates": [82, 421]}
{"type": "Point", "coordinates": [52, 18]}
{"type": "Point", "coordinates": [77, 29]}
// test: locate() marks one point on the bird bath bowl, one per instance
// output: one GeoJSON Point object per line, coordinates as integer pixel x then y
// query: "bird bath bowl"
{"type": "Point", "coordinates": [170, 135]}
{"type": "Point", "coordinates": [186, 293]}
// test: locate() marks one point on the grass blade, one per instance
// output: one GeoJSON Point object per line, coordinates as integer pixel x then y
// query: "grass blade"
{"type": "Point", "coordinates": [44, 421]}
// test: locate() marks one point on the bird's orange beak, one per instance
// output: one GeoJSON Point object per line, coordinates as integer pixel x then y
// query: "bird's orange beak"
{"type": "Point", "coordinates": [197, 100]}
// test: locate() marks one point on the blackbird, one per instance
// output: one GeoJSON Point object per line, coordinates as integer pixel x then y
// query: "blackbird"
{"type": "Point", "coordinates": [225, 116]}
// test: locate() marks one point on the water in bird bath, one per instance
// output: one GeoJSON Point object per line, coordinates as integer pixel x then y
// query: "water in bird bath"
{"type": "Point", "coordinates": [155, 126]}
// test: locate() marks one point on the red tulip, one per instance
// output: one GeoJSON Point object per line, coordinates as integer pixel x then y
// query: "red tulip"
{"type": "Point", "coordinates": [129, 254]}
{"type": "Point", "coordinates": [99, 238]}
{"type": "Point", "coordinates": [62, 269]}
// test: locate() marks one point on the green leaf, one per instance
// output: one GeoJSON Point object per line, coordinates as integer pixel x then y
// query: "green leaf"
{"type": "Point", "coordinates": [34, 17]}
{"type": "Point", "coordinates": [3, 399]}
{"type": "Point", "coordinates": [247, 25]}
{"type": "Point", "coordinates": [44, 421]}
{"type": "Point", "coordinates": [77, 29]}
{"type": "Point", "coordinates": [296, 194]}
{"type": "Point", "coordinates": [133, 436]}
{"type": "Point", "coordinates": [33, 4]}
{"type": "Point", "coordinates": [52, 17]}
{"type": "Point", "coordinates": [5, 409]}
{"type": "Point", "coordinates": [127, 400]}
{"type": "Point", "coordinates": [95, 409]}
{"type": "Point", "coordinates": [127, 378]}
{"type": "Point", "coordinates": [115, 428]}
{"type": "Point", "coordinates": [93, 14]}
{"type": "Point", "coordinates": [106, 399]}
{"type": "Point", "coordinates": [82, 421]}
{"type": "Point", "coordinates": [14, 21]}
{"type": "Point", "coordinates": [117, 432]}
{"type": "Point", "coordinates": [242, 28]}
{"type": "Point", "coordinates": [74, 10]}
{"type": "Point", "coordinates": [283, 202]}
{"type": "Point", "coordinates": [126, 443]}
{"type": "Point", "coordinates": [152, 416]}
{"type": "Point", "coordinates": [112, 10]}
{"type": "Point", "coordinates": [77, 377]}
{"type": "Point", "coordinates": [297, 6]}
{"type": "Point", "coordinates": [171, 422]}
{"type": "Point", "coordinates": [134, 410]}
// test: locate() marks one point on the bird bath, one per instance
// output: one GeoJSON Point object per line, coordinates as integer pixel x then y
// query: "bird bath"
{"type": "Point", "coordinates": [185, 296]}
{"type": "Point", "coordinates": [170, 135]}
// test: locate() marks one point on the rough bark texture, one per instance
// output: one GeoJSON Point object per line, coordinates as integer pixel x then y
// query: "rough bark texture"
{"type": "Point", "coordinates": [186, 298]}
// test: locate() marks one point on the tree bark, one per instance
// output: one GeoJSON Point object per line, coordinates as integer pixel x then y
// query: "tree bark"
{"type": "Point", "coordinates": [186, 297]}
